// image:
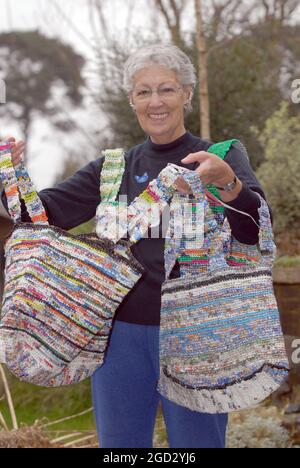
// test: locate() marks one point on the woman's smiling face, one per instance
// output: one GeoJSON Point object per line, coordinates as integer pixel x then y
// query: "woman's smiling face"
{"type": "Point", "coordinates": [160, 114]}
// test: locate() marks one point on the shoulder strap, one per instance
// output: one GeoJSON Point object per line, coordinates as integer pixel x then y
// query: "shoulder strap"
{"type": "Point", "coordinates": [112, 174]}
{"type": "Point", "coordinates": [220, 149]}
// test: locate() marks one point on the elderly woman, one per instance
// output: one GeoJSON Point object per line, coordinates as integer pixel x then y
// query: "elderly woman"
{"type": "Point", "coordinates": [159, 80]}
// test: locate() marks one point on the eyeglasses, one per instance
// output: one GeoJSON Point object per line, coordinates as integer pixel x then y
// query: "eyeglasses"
{"type": "Point", "coordinates": [144, 94]}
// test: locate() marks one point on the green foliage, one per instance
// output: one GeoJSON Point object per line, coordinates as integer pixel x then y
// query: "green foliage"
{"type": "Point", "coordinates": [279, 174]}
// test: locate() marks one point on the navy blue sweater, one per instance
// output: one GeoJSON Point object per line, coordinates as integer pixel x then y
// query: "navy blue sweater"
{"type": "Point", "coordinates": [74, 201]}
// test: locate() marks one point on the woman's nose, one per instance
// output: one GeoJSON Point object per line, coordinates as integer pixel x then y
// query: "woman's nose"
{"type": "Point", "coordinates": [155, 99]}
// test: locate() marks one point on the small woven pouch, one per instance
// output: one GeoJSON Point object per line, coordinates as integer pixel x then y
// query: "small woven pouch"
{"type": "Point", "coordinates": [221, 342]}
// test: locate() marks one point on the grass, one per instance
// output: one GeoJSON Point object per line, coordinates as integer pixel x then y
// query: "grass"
{"type": "Point", "coordinates": [286, 261]}
{"type": "Point", "coordinates": [34, 403]}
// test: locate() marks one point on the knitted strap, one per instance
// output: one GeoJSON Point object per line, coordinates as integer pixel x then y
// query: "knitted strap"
{"type": "Point", "coordinates": [15, 181]}
{"type": "Point", "coordinates": [112, 174]}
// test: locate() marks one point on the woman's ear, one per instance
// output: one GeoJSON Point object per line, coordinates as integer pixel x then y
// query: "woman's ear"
{"type": "Point", "coordinates": [189, 91]}
{"type": "Point", "coordinates": [132, 105]}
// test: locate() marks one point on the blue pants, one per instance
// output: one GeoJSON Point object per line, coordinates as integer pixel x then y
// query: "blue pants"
{"type": "Point", "coordinates": [126, 400]}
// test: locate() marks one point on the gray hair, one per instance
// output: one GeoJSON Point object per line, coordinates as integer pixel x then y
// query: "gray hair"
{"type": "Point", "coordinates": [167, 55]}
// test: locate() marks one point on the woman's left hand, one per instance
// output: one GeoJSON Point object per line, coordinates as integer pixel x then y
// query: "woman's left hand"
{"type": "Point", "coordinates": [212, 170]}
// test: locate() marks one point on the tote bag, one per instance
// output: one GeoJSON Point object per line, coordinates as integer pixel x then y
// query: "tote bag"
{"type": "Point", "coordinates": [61, 290]}
{"type": "Point", "coordinates": [221, 342]}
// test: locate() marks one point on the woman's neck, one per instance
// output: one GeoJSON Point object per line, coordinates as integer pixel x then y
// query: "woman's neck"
{"type": "Point", "coordinates": [165, 139]}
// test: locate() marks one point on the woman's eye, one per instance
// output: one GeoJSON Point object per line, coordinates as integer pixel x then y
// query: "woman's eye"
{"type": "Point", "coordinates": [143, 92]}
{"type": "Point", "coordinates": [167, 91]}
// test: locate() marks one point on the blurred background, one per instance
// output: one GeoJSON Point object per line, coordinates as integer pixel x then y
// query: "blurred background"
{"type": "Point", "coordinates": [61, 67]}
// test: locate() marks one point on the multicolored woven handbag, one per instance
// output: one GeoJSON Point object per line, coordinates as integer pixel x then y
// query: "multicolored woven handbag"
{"type": "Point", "coordinates": [221, 343]}
{"type": "Point", "coordinates": [61, 290]}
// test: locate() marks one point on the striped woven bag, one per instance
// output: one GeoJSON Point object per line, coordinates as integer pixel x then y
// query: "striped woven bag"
{"type": "Point", "coordinates": [221, 343]}
{"type": "Point", "coordinates": [61, 290]}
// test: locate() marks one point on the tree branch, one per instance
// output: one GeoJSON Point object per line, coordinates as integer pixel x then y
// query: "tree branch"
{"type": "Point", "coordinates": [72, 25]}
{"type": "Point", "coordinates": [98, 4]}
{"type": "Point", "coordinates": [172, 23]}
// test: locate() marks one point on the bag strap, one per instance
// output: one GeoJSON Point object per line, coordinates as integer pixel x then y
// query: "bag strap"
{"type": "Point", "coordinates": [193, 255]}
{"type": "Point", "coordinates": [134, 220]}
{"type": "Point", "coordinates": [214, 236]}
{"type": "Point", "coordinates": [17, 183]}
{"type": "Point", "coordinates": [111, 174]}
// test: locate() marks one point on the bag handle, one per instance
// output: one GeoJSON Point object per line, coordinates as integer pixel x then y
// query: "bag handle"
{"type": "Point", "coordinates": [186, 229]}
{"type": "Point", "coordinates": [266, 242]}
{"type": "Point", "coordinates": [17, 181]}
{"type": "Point", "coordinates": [119, 220]}
{"type": "Point", "coordinates": [111, 174]}
{"type": "Point", "coordinates": [215, 234]}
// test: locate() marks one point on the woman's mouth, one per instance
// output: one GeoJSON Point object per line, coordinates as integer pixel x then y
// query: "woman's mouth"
{"type": "Point", "coordinates": [159, 117]}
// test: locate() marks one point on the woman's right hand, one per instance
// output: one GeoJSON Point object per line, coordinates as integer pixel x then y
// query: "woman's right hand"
{"type": "Point", "coordinates": [17, 149]}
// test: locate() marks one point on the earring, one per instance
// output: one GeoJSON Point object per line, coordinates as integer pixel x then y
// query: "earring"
{"type": "Point", "coordinates": [188, 102]}
{"type": "Point", "coordinates": [132, 106]}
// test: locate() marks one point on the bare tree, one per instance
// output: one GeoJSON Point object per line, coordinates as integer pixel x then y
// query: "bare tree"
{"type": "Point", "coordinates": [100, 23]}
{"type": "Point", "coordinates": [279, 10]}
{"type": "Point", "coordinates": [203, 74]}
{"type": "Point", "coordinates": [98, 20]}
{"type": "Point", "coordinates": [223, 18]}
{"type": "Point", "coordinates": [172, 11]}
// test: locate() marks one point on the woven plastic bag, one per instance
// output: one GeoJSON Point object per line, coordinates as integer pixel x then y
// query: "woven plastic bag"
{"type": "Point", "coordinates": [61, 290]}
{"type": "Point", "coordinates": [221, 342]}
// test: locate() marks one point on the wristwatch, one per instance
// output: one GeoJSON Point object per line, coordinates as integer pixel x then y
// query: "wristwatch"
{"type": "Point", "coordinates": [228, 187]}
